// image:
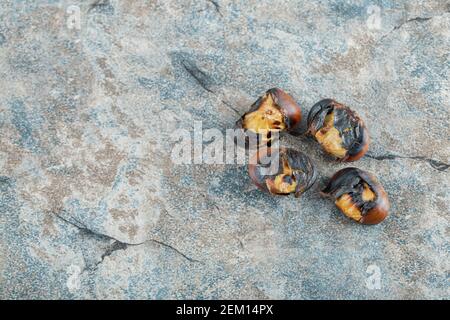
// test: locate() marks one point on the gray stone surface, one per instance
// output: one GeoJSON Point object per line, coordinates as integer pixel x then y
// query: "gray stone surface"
{"type": "Point", "coordinates": [91, 205]}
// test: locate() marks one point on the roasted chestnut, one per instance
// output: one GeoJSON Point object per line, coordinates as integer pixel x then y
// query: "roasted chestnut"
{"type": "Point", "coordinates": [293, 171]}
{"type": "Point", "coordinates": [338, 129]}
{"type": "Point", "coordinates": [274, 112]}
{"type": "Point", "coordinates": [358, 195]}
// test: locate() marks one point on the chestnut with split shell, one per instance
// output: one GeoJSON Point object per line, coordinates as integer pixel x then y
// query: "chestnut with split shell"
{"type": "Point", "coordinates": [294, 171]}
{"type": "Point", "coordinates": [275, 111]}
{"type": "Point", "coordinates": [338, 129]}
{"type": "Point", "coordinates": [358, 195]}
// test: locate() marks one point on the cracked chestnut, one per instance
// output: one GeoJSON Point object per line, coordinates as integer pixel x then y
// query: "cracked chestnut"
{"type": "Point", "coordinates": [358, 195]}
{"type": "Point", "coordinates": [293, 172]}
{"type": "Point", "coordinates": [274, 112]}
{"type": "Point", "coordinates": [338, 129]}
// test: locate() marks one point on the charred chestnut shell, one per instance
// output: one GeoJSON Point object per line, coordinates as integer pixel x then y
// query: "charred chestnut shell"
{"type": "Point", "coordinates": [275, 111]}
{"type": "Point", "coordinates": [358, 195]}
{"type": "Point", "coordinates": [295, 172]}
{"type": "Point", "coordinates": [338, 129]}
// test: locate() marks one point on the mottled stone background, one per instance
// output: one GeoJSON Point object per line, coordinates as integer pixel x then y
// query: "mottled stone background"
{"type": "Point", "coordinates": [91, 205]}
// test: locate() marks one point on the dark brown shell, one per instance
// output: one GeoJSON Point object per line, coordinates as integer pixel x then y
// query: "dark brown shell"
{"type": "Point", "coordinates": [304, 171]}
{"type": "Point", "coordinates": [288, 107]}
{"type": "Point", "coordinates": [350, 181]}
{"type": "Point", "coordinates": [352, 129]}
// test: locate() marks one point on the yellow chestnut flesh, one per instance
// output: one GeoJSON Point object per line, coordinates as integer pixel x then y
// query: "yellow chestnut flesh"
{"type": "Point", "coordinates": [274, 112]}
{"type": "Point", "coordinates": [339, 130]}
{"type": "Point", "coordinates": [266, 118]}
{"type": "Point", "coordinates": [328, 136]}
{"type": "Point", "coordinates": [348, 207]}
{"type": "Point", "coordinates": [294, 174]}
{"type": "Point", "coordinates": [358, 195]}
{"type": "Point", "coordinates": [283, 183]}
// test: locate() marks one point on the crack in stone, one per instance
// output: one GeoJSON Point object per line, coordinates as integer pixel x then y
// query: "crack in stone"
{"type": "Point", "coordinates": [438, 165]}
{"type": "Point", "coordinates": [100, 4]}
{"type": "Point", "coordinates": [216, 6]}
{"type": "Point", "coordinates": [174, 249]}
{"type": "Point", "coordinates": [203, 80]}
{"type": "Point", "coordinates": [83, 228]}
{"type": "Point", "coordinates": [200, 77]}
{"type": "Point", "coordinates": [117, 244]}
{"type": "Point", "coordinates": [416, 19]}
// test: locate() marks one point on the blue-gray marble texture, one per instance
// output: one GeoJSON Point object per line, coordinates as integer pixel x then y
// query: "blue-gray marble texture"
{"type": "Point", "coordinates": [92, 207]}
